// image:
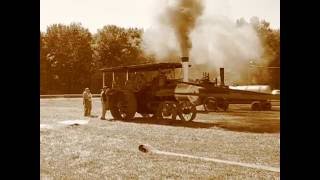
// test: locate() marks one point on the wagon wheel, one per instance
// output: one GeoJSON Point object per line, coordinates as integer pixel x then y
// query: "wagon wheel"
{"type": "Point", "coordinates": [167, 110]}
{"type": "Point", "coordinates": [187, 111]}
{"type": "Point", "coordinates": [266, 106]}
{"type": "Point", "coordinates": [256, 106]}
{"type": "Point", "coordinates": [123, 105]}
{"type": "Point", "coordinates": [210, 104]}
{"type": "Point", "coordinates": [223, 104]}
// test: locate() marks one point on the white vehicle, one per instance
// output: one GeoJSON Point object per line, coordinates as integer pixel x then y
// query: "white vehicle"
{"type": "Point", "coordinates": [253, 88]}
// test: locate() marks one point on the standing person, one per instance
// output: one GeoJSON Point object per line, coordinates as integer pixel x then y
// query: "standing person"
{"type": "Point", "coordinates": [104, 102]}
{"type": "Point", "coordinates": [87, 102]}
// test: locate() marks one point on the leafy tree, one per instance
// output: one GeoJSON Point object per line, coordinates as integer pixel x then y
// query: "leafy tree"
{"type": "Point", "coordinates": [270, 39]}
{"type": "Point", "coordinates": [116, 46]}
{"type": "Point", "coordinates": [70, 56]}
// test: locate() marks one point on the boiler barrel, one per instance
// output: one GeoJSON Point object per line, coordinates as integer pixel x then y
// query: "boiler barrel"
{"type": "Point", "coordinates": [187, 92]}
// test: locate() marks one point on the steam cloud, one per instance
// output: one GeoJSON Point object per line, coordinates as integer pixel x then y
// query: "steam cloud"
{"type": "Point", "coordinates": [182, 28]}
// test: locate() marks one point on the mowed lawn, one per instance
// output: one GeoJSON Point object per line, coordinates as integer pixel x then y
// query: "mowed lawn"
{"type": "Point", "coordinates": [109, 149]}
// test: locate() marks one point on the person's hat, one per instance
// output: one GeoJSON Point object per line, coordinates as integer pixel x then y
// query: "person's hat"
{"type": "Point", "coordinates": [87, 89]}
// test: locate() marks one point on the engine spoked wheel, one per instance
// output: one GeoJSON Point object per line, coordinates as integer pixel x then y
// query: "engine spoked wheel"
{"type": "Point", "coordinates": [167, 110]}
{"type": "Point", "coordinates": [187, 111]}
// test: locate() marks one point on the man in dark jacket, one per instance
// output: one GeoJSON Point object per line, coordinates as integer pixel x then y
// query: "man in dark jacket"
{"type": "Point", "coordinates": [87, 102]}
{"type": "Point", "coordinates": [104, 102]}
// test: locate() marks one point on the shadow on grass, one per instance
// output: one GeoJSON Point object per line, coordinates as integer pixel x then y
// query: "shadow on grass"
{"type": "Point", "coordinates": [239, 125]}
{"type": "Point", "coordinates": [252, 126]}
{"type": "Point", "coordinates": [242, 110]}
{"type": "Point", "coordinates": [246, 110]}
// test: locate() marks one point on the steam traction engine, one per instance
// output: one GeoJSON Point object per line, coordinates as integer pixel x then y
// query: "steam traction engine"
{"type": "Point", "coordinates": [164, 97]}
{"type": "Point", "coordinates": [160, 97]}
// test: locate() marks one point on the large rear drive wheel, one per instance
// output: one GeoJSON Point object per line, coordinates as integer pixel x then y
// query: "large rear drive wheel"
{"type": "Point", "coordinates": [123, 105]}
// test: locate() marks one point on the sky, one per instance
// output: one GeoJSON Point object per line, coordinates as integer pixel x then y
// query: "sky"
{"type": "Point", "coordinates": [94, 14]}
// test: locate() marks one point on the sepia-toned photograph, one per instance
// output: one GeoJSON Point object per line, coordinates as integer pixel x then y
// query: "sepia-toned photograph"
{"type": "Point", "coordinates": [159, 89]}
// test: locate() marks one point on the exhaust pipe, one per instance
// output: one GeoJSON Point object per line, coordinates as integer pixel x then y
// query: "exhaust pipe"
{"type": "Point", "coordinates": [185, 67]}
{"type": "Point", "coordinates": [221, 76]}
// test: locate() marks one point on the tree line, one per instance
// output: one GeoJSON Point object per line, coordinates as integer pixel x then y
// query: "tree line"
{"type": "Point", "coordinates": [71, 56]}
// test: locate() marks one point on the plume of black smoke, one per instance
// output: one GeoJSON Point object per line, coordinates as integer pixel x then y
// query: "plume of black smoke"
{"type": "Point", "coordinates": [182, 16]}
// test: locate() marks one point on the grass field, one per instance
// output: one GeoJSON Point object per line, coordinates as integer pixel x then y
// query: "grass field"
{"type": "Point", "coordinates": [109, 149]}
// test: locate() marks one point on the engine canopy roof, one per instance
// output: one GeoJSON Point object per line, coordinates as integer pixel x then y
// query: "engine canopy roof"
{"type": "Point", "coordinates": [143, 67]}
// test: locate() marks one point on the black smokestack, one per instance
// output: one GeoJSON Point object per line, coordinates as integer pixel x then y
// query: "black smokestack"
{"type": "Point", "coordinates": [222, 76]}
